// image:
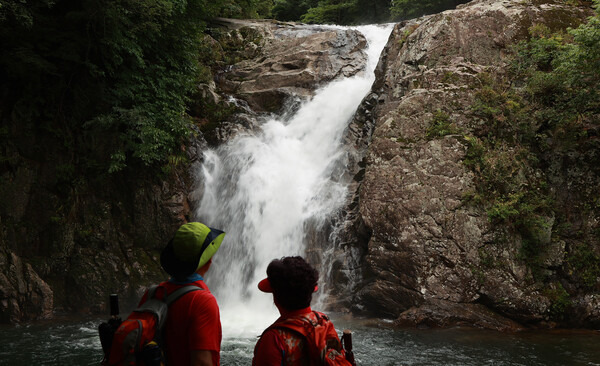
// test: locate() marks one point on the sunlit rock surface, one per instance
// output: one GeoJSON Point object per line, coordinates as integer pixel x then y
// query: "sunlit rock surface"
{"type": "Point", "coordinates": [423, 255]}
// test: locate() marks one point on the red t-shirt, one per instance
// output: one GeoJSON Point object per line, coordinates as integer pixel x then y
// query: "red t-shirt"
{"type": "Point", "coordinates": [193, 324]}
{"type": "Point", "coordinates": [278, 346]}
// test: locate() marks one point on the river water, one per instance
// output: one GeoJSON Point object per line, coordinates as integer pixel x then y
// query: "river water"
{"type": "Point", "coordinates": [76, 343]}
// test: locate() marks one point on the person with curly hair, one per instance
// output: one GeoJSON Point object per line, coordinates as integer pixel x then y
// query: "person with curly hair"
{"type": "Point", "coordinates": [293, 339]}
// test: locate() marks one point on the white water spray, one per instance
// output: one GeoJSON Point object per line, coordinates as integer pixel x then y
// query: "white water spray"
{"type": "Point", "coordinates": [263, 188]}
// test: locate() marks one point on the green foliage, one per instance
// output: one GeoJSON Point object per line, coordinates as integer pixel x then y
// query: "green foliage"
{"type": "Point", "coordinates": [246, 8]}
{"type": "Point", "coordinates": [440, 126]}
{"type": "Point", "coordinates": [563, 71]}
{"type": "Point", "coordinates": [560, 300]}
{"type": "Point", "coordinates": [509, 180]}
{"type": "Point", "coordinates": [343, 12]}
{"type": "Point", "coordinates": [291, 10]}
{"type": "Point", "coordinates": [372, 11]}
{"type": "Point", "coordinates": [333, 11]}
{"type": "Point", "coordinates": [264, 8]}
{"type": "Point", "coordinates": [474, 158]}
{"type": "Point", "coordinates": [503, 110]}
{"type": "Point", "coordinates": [514, 192]}
{"type": "Point", "coordinates": [523, 130]}
{"type": "Point", "coordinates": [584, 264]}
{"type": "Point", "coordinates": [407, 9]}
{"type": "Point", "coordinates": [330, 12]}
{"type": "Point", "coordinates": [110, 77]}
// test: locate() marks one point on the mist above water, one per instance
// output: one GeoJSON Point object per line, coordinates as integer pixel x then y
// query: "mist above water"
{"type": "Point", "coordinates": [262, 189]}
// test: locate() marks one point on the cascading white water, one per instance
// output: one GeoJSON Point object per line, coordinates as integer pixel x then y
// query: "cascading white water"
{"type": "Point", "coordinates": [263, 188]}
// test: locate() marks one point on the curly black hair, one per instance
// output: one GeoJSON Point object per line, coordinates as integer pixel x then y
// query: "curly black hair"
{"type": "Point", "coordinates": [293, 281]}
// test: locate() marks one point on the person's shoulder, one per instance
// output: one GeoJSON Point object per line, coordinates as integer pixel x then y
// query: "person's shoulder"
{"type": "Point", "coordinates": [201, 292]}
{"type": "Point", "coordinates": [319, 317]}
{"type": "Point", "coordinates": [274, 336]}
{"type": "Point", "coordinates": [203, 297]}
{"type": "Point", "coordinates": [320, 314]}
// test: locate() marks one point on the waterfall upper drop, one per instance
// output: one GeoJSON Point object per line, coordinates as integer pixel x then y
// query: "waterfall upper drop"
{"type": "Point", "coordinates": [263, 188]}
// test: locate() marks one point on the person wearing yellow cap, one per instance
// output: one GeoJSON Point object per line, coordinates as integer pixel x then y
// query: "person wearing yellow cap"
{"type": "Point", "coordinates": [193, 325]}
{"type": "Point", "coordinates": [300, 336]}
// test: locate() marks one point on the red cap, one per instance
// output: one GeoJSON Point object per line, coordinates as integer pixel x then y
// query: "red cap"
{"type": "Point", "coordinates": [265, 286]}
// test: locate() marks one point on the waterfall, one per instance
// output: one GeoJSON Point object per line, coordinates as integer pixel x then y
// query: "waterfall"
{"type": "Point", "coordinates": [263, 188]}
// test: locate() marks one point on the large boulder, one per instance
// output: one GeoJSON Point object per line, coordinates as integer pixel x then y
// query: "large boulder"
{"type": "Point", "coordinates": [292, 61]}
{"type": "Point", "coordinates": [419, 251]}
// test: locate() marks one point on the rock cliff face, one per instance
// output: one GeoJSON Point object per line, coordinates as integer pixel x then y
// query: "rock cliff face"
{"type": "Point", "coordinates": [66, 256]}
{"type": "Point", "coordinates": [427, 256]}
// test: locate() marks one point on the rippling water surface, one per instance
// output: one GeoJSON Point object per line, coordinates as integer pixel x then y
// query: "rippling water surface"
{"type": "Point", "coordinates": [76, 343]}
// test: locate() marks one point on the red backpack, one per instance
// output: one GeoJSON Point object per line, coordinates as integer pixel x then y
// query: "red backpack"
{"type": "Point", "coordinates": [324, 345]}
{"type": "Point", "coordinates": [138, 340]}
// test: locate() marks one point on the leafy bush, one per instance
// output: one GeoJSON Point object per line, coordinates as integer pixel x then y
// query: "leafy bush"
{"type": "Point", "coordinates": [245, 8]}
{"type": "Point", "coordinates": [290, 10]}
{"type": "Point", "coordinates": [563, 70]}
{"type": "Point", "coordinates": [108, 80]}
{"type": "Point", "coordinates": [333, 11]}
{"type": "Point", "coordinates": [105, 73]}
{"type": "Point", "coordinates": [560, 300]}
{"type": "Point", "coordinates": [336, 13]}
{"type": "Point", "coordinates": [584, 263]}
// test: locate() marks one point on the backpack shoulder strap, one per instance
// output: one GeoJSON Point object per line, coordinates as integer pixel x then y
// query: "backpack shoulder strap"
{"type": "Point", "coordinates": [297, 326]}
{"type": "Point", "coordinates": [151, 292]}
{"type": "Point", "coordinates": [321, 316]}
{"type": "Point", "coordinates": [173, 296]}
